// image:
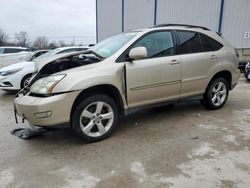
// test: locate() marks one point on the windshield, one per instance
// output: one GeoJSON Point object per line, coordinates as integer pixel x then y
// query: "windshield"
{"type": "Point", "coordinates": [111, 45]}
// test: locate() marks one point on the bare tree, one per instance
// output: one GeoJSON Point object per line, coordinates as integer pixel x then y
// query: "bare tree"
{"type": "Point", "coordinates": [41, 42]}
{"type": "Point", "coordinates": [3, 38]}
{"type": "Point", "coordinates": [61, 43]}
{"type": "Point", "coordinates": [52, 45]}
{"type": "Point", "coordinates": [22, 38]}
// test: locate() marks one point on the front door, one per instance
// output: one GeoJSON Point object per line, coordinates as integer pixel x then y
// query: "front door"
{"type": "Point", "coordinates": [156, 78]}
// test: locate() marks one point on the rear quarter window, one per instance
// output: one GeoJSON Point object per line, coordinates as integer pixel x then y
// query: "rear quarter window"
{"type": "Point", "coordinates": [210, 44]}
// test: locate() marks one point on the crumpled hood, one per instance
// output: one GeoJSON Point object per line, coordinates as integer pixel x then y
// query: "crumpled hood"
{"type": "Point", "coordinates": [17, 65]}
{"type": "Point", "coordinates": [40, 63]}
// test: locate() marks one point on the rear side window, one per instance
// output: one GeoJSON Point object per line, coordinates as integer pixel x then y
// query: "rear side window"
{"type": "Point", "coordinates": [210, 44]}
{"type": "Point", "coordinates": [189, 42]}
{"type": "Point", "coordinates": [12, 50]}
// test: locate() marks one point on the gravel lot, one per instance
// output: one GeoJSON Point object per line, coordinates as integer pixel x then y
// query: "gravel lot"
{"type": "Point", "coordinates": [179, 146]}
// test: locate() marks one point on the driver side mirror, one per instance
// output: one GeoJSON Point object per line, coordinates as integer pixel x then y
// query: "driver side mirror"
{"type": "Point", "coordinates": [138, 53]}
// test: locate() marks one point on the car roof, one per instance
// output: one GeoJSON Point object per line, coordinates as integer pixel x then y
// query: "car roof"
{"type": "Point", "coordinates": [41, 51]}
{"type": "Point", "coordinates": [173, 27]}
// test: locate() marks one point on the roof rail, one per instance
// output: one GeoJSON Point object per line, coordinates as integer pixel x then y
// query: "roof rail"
{"type": "Point", "coordinates": [184, 25]}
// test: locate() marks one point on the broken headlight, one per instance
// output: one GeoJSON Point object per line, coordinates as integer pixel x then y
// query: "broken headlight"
{"type": "Point", "coordinates": [46, 85]}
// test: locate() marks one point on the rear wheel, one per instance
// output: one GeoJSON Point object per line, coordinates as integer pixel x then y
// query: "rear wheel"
{"type": "Point", "coordinates": [216, 94]}
{"type": "Point", "coordinates": [95, 118]}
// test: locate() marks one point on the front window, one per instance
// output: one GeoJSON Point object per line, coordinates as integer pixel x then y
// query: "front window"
{"type": "Point", "coordinates": [1, 50]}
{"type": "Point", "coordinates": [158, 44]}
{"type": "Point", "coordinates": [111, 45]}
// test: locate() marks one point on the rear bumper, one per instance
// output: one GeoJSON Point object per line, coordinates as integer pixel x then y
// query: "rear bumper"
{"type": "Point", "coordinates": [58, 106]}
{"type": "Point", "coordinates": [235, 78]}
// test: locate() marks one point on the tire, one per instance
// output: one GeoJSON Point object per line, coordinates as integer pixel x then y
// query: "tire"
{"type": "Point", "coordinates": [216, 94]}
{"type": "Point", "coordinates": [95, 118]}
{"type": "Point", "coordinates": [25, 80]}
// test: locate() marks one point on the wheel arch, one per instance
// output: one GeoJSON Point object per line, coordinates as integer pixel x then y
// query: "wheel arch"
{"type": "Point", "coordinates": [106, 89]}
{"type": "Point", "coordinates": [226, 74]}
{"type": "Point", "coordinates": [25, 76]}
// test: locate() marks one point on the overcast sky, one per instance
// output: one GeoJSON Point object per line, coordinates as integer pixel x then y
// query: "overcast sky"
{"type": "Point", "coordinates": [51, 18]}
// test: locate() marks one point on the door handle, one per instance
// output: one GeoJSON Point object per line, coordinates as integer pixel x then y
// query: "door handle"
{"type": "Point", "coordinates": [213, 57]}
{"type": "Point", "coordinates": [174, 62]}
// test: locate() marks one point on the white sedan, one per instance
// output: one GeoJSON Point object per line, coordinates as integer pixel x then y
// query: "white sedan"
{"type": "Point", "coordinates": [17, 76]}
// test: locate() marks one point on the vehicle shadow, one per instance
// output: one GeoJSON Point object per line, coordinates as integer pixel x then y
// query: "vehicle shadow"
{"type": "Point", "coordinates": [8, 92]}
{"type": "Point", "coordinates": [144, 118]}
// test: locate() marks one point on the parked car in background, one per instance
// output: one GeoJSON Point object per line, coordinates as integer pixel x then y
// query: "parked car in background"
{"type": "Point", "coordinates": [247, 71]}
{"type": "Point", "coordinates": [242, 65]}
{"type": "Point", "coordinates": [67, 49]}
{"type": "Point", "coordinates": [17, 76]}
{"type": "Point", "coordinates": [10, 55]}
{"type": "Point", "coordinates": [166, 63]}
{"type": "Point", "coordinates": [34, 55]}
{"type": "Point", "coordinates": [11, 50]}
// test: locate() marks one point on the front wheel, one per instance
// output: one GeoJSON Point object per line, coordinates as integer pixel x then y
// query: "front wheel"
{"type": "Point", "coordinates": [95, 118]}
{"type": "Point", "coordinates": [216, 94]}
{"type": "Point", "coordinates": [25, 81]}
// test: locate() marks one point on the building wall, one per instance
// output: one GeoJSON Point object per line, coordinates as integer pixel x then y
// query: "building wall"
{"type": "Point", "coordinates": [116, 16]}
{"type": "Point", "coordinates": [109, 18]}
{"type": "Point", "coordinates": [236, 21]}
{"type": "Point", "coordinates": [196, 12]}
{"type": "Point", "coordinates": [138, 14]}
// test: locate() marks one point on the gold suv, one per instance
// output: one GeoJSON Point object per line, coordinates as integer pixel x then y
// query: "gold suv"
{"type": "Point", "coordinates": [166, 63]}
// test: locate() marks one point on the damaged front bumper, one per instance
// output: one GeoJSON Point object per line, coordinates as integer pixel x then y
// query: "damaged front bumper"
{"type": "Point", "coordinates": [45, 111]}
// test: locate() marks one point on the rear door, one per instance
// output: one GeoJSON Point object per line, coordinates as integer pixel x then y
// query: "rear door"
{"type": "Point", "coordinates": [197, 60]}
{"type": "Point", "coordinates": [156, 78]}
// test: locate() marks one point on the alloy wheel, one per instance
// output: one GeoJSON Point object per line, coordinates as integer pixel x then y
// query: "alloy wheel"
{"type": "Point", "coordinates": [219, 93]}
{"type": "Point", "coordinates": [96, 119]}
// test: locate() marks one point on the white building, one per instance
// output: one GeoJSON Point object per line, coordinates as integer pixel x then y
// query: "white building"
{"type": "Point", "coordinates": [230, 17]}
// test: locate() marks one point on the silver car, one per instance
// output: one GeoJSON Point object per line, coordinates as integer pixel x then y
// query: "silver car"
{"type": "Point", "coordinates": [140, 68]}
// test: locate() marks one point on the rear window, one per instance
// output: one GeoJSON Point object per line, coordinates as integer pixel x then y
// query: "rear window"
{"type": "Point", "coordinates": [189, 42]}
{"type": "Point", "coordinates": [210, 44]}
